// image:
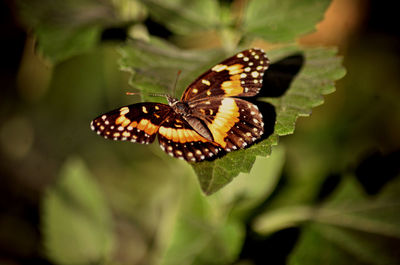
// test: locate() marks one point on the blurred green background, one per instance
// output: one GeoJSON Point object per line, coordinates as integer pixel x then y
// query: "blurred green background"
{"type": "Point", "coordinates": [328, 194]}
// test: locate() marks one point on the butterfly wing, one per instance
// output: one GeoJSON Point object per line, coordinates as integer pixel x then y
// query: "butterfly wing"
{"type": "Point", "coordinates": [136, 123]}
{"type": "Point", "coordinates": [178, 139]}
{"type": "Point", "coordinates": [233, 122]}
{"type": "Point", "coordinates": [240, 75]}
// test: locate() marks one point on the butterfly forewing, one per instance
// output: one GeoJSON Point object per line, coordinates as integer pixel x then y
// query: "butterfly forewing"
{"type": "Point", "coordinates": [136, 123]}
{"type": "Point", "coordinates": [178, 139]}
{"type": "Point", "coordinates": [240, 75]}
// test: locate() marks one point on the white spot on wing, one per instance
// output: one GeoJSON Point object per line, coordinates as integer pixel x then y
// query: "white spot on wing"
{"type": "Point", "coordinates": [206, 82]}
{"type": "Point", "coordinates": [124, 110]}
{"type": "Point", "coordinates": [219, 67]}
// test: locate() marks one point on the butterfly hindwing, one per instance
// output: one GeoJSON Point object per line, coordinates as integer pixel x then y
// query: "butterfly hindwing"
{"type": "Point", "coordinates": [240, 75]}
{"type": "Point", "coordinates": [136, 123]}
{"type": "Point", "coordinates": [178, 139]}
{"type": "Point", "coordinates": [248, 129]}
{"type": "Point", "coordinates": [234, 123]}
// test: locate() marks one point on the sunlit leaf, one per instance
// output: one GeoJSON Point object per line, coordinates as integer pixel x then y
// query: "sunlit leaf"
{"type": "Point", "coordinates": [153, 69]}
{"type": "Point", "coordinates": [76, 221]}
{"type": "Point", "coordinates": [316, 78]}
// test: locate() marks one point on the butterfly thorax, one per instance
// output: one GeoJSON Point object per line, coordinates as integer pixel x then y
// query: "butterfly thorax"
{"type": "Point", "coordinates": [196, 123]}
{"type": "Point", "coordinates": [179, 107]}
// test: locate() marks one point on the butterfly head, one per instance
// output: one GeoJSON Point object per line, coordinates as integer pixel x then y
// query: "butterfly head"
{"type": "Point", "coordinates": [171, 100]}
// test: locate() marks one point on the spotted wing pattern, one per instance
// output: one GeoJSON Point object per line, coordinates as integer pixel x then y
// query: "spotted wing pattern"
{"type": "Point", "coordinates": [240, 75]}
{"type": "Point", "coordinates": [234, 123]}
{"type": "Point", "coordinates": [136, 123]}
{"type": "Point", "coordinates": [178, 139]}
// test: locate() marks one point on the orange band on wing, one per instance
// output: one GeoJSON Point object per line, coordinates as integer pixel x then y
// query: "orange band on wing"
{"type": "Point", "coordinates": [235, 69]}
{"type": "Point", "coordinates": [235, 77]}
{"type": "Point", "coordinates": [232, 88]}
{"type": "Point", "coordinates": [181, 135]}
{"type": "Point", "coordinates": [225, 119]}
{"type": "Point", "coordinates": [133, 124]}
{"type": "Point", "coordinates": [146, 126]}
{"type": "Point", "coordinates": [122, 120]}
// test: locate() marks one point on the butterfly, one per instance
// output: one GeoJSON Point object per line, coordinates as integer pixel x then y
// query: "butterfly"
{"type": "Point", "coordinates": [208, 121]}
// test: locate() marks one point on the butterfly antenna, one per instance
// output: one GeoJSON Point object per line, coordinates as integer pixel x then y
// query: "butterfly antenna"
{"type": "Point", "coordinates": [176, 82]}
{"type": "Point", "coordinates": [133, 93]}
{"type": "Point", "coordinates": [147, 94]}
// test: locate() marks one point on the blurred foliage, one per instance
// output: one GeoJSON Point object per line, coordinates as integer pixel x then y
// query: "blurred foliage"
{"type": "Point", "coordinates": [365, 229]}
{"type": "Point", "coordinates": [281, 22]}
{"type": "Point", "coordinates": [76, 220]}
{"type": "Point", "coordinates": [327, 194]}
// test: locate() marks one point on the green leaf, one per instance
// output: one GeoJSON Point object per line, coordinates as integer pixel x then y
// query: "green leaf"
{"type": "Point", "coordinates": [202, 233]}
{"type": "Point", "coordinates": [353, 229]}
{"type": "Point", "coordinates": [185, 16]}
{"type": "Point", "coordinates": [316, 78]}
{"type": "Point", "coordinates": [282, 21]}
{"type": "Point", "coordinates": [76, 221]}
{"type": "Point", "coordinates": [216, 174]}
{"type": "Point", "coordinates": [249, 190]}
{"type": "Point", "coordinates": [66, 28]}
{"type": "Point", "coordinates": [59, 45]}
{"type": "Point", "coordinates": [154, 65]}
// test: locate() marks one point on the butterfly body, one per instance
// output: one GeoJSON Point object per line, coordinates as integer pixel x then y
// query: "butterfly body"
{"type": "Point", "coordinates": [209, 120]}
